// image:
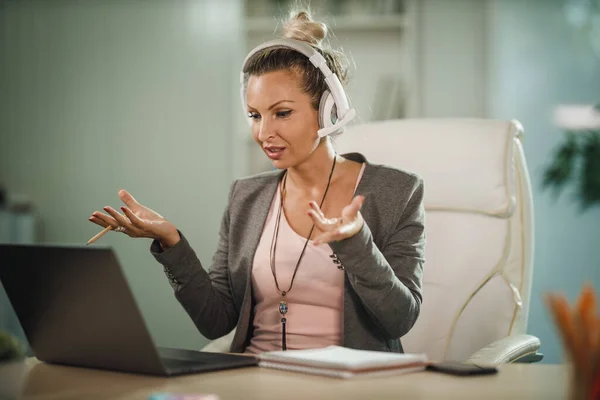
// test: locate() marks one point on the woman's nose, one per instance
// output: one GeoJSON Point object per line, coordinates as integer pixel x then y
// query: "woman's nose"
{"type": "Point", "coordinates": [265, 130]}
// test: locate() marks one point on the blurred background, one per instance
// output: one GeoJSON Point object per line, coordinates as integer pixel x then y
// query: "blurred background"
{"type": "Point", "coordinates": [143, 95]}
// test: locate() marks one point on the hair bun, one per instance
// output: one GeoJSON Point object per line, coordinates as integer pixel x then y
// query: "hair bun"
{"type": "Point", "coordinates": [300, 26]}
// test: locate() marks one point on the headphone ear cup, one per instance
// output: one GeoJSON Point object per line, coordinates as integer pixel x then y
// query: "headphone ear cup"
{"type": "Point", "coordinates": [327, 110]}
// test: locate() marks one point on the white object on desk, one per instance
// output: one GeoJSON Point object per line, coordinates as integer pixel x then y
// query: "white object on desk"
{"type": "Point", "coordinates": [342, 362]}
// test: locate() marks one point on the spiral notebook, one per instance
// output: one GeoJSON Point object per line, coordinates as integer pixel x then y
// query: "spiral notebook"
{"type": "Point", "coordinates": [342, 362]}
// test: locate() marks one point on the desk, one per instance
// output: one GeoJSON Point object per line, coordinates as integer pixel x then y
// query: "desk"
{"type": "Point", "coordinates": [515, 381]}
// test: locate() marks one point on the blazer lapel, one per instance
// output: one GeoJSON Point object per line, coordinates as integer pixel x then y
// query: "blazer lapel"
{"type": "Point", "coordinates": [256, 218]}
{"type": "Point", "coordinates": [257, 210]}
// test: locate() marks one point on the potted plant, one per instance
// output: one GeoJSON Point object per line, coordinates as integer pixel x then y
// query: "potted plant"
{"type": "Point", "coordinates": [12, 366]}
{"type": "Point", "coordinates": [577, 160]}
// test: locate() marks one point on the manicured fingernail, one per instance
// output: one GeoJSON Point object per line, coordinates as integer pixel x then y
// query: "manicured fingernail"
{"type": "Point", "coordinates": [123, 209]}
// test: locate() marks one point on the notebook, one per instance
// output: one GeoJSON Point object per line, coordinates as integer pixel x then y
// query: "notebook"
{"type": "Point", "coordinates": [342, 362]}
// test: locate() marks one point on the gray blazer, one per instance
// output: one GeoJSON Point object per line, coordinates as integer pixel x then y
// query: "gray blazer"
{"type": "Point", "coordinates": [383, 263]}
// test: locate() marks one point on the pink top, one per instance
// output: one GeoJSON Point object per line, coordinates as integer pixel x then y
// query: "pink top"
{"type": "Point", "coordinates": [315, 303]}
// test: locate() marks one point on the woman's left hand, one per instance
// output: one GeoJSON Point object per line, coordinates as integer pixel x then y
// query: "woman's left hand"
{"type": "Point", "coordinates": [336, 229]}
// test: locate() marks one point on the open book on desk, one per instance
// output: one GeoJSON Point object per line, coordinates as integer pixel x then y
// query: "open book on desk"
{"type": "Point", "coordinates": [342, 362]}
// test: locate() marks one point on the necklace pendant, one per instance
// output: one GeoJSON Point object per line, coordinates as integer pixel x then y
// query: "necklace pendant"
{"type": "Point", "coordinates": [283, 307]}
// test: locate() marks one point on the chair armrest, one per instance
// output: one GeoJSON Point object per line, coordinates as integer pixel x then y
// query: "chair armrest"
{"type": "Point", "coordinates": [507, 350]}
{"type": "Point", "coordinates": [220, 345]}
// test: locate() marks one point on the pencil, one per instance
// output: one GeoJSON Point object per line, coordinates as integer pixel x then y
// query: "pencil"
{"type": "Point", "coordinates": [99, 235]}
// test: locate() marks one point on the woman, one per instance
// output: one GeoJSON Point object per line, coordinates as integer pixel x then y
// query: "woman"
{"type": "Point", "coordinates": [326, 251]}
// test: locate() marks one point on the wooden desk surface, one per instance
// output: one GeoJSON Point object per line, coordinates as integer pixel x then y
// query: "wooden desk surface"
{"type": "Point", "coordinates": [516, 381]}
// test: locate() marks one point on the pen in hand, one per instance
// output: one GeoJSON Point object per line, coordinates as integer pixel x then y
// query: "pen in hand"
{"type": "Point", "coordinates": [99, 235]}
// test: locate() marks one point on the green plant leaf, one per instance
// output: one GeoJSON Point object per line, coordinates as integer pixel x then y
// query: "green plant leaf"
{"type": "Point", "coordinates": [589, 179]}
{"type": "Point", "coordinates": [561, 169]}
{"type": "Point", "coordinates": [10, 347]}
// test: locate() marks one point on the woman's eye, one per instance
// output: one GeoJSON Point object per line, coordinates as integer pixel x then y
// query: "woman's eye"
{"type": "Point", "coordinates": [253, 115]}
{"type": "Point", "coordinates": [283, 114]}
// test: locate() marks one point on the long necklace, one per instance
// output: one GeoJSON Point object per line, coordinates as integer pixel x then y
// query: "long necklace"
{"type": "Point", "coordinates": [283, 306]}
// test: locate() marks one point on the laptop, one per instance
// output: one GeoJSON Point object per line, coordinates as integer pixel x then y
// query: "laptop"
{"type": "Point", "coordinates": [76, 308]}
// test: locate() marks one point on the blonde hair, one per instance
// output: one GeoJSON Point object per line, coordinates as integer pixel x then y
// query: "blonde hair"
{"type": "Point", "coordinates": [301, 26]}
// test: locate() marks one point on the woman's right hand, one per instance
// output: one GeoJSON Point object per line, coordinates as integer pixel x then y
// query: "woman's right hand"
{"type": "Point", "coordinates": [138, 221]}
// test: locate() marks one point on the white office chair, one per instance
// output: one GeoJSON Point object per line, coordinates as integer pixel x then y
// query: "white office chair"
{"type": "Point", "coordinates": [479, 227]}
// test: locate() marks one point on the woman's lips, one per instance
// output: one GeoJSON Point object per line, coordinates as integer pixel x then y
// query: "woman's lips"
{"type": "Point", "coordinates": [274, 153]}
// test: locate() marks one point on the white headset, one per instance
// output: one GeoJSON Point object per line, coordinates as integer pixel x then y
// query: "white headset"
{"type": "Point", "coordinates": [334, 110]}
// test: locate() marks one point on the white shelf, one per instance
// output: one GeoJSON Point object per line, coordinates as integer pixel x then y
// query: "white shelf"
{"type": "Point", "coordinates": [337, 24]}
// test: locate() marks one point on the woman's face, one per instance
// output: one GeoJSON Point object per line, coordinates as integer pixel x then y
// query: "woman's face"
{"type": "Point", "coordinates": [284, 123]}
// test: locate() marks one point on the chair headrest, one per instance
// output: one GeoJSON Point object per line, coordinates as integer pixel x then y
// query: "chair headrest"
{"type": "Point", "coordinates": [466, 164]}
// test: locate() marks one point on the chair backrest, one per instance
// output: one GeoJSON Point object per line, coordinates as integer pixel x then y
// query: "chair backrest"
{"type": "Point", "coordinates": [479, 226]}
